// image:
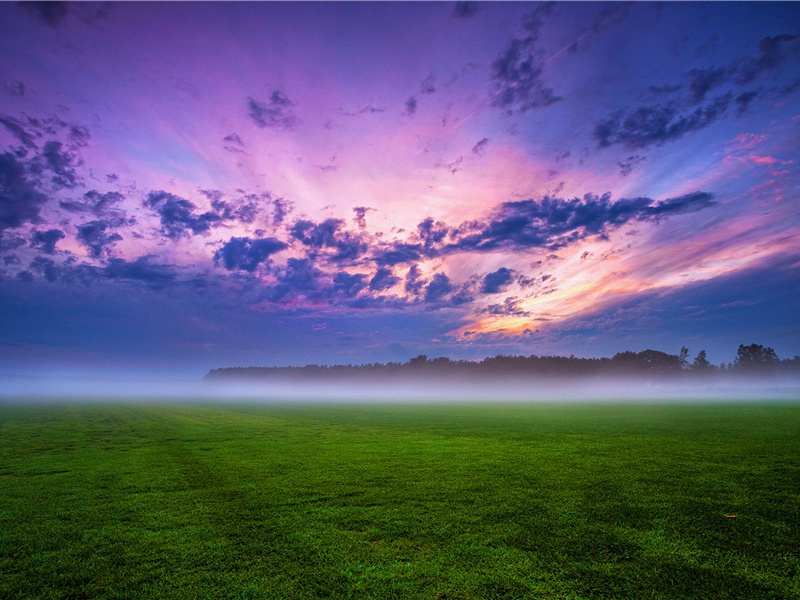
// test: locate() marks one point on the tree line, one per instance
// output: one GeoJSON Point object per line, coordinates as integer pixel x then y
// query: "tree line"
{"type": "Point", "coordinates": [753, 359]}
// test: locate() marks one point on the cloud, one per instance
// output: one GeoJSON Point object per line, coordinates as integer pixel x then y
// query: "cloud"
{"type": "Point", "coordinates": [18, 130]}
{"type": "Point", "coordinates": [704, 80]}
{"type": "Point", "coordinates": [772, 52]}
{"type": "Point", "coordinates": [414, 283]}
{"type": "Point", "coordinates": [61, 162]}
{"type": "Point", "coordinates": [20, 201]}
{"type": "Point", "coordinates": [243, 208]}
{"type": "Point", "coordinates": [496, 281]}
{"type": "Point", "coordinates": [15, 88]}
{"type": "Point", "coordinates": [327, 234]}
{"type": "Point", "coordinates": [411, 107]}
{"type": "Point", "coordinates": [431, 232]}
{"type": "Point", "coordinates": [49, 13]}
{"type": "Point", "coordinates": [438, 288]}
{"type": "Point", "coordinates": [480, 147]}
{"type": "Point", "coordinates": [509, 307]}
{"type": "Point", "coordinates": [45, 267]}
{"type": "Point", "coordinates": [300, 277]}
{"type": "Point", "coordinates": [177, 215]}
{"type": "Point", "coordinates": [98, 204]}
{"type": "Point", "coordinates": [274, 114]}
{"type": "Point", "coordinates": [348, 285]}
{"type": "Point", "coordinates": [246, 254]}
{"type": "Point", "coordinates": [397, 253]}
{"type": "Point", "coordinates": [517, 84]}
{"type": "Point", "coordinates": [142, 269]}
{"type": "Point", "coordinates": [96, 237]}
{"type": "Point", "coordinates": [465, 10]}
{"type": "Point", "coordinates": [555, 222]}
{"type": "Point", "coordinates": [428, 85]}
{"type": "Point", "coordinates": [361, 216]}
{"type": "Point", "coordinates": [655, 125]}
{"type": "Point", "coordinates": [627, 166]}
{"type": "Point", "coordinates": [233, 143]}
{"type": "Point", "coordinates": [280, 209]}
{"type": "Point", "coordinates": [46, 240]}
{"type": "Point", "coordinates": [383, 280]}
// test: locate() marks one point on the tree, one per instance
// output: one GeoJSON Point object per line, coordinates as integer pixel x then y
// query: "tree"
{"type": "Point", "coordinates": [701, 362]}
{"type": "Point", "coordinates": [755, 357]}
{"type": "Point", "coordinates": [683, 357]}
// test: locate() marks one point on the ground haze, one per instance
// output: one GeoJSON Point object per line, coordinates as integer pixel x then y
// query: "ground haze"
{"type": "Point", "coordinates": [157, 500]}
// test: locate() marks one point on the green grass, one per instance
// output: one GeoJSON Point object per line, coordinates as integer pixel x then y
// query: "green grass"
{"type": "Point", "coordinates": [415, 501]}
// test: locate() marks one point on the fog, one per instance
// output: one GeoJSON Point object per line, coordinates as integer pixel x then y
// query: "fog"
{"type": "Point", "coordinates": [27, 389]}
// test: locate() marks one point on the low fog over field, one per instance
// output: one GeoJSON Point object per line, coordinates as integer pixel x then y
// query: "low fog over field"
{"type": "Point", "coordinates": [602, 389]}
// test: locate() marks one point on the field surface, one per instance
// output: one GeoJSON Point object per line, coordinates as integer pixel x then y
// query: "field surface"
{"type": "Point", "coordinates": [399, 501]}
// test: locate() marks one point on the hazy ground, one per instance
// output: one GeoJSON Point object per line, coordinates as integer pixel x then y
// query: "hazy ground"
{"type": "Point", "coordinates": [523, 500]}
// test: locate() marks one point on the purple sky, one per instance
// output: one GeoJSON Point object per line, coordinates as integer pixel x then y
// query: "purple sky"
{"type": "Point", "coordinates": [186, 186]}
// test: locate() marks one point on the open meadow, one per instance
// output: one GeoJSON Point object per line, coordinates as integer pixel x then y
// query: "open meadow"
{"type": "Point", "coordinates": [437, 501]}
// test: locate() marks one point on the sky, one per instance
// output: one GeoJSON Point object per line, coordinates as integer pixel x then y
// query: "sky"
{"type": "Point", "coordinates": [185, 186]}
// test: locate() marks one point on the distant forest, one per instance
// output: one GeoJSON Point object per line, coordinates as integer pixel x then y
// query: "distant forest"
{"type": "Point", "coordinates": [754, 359]}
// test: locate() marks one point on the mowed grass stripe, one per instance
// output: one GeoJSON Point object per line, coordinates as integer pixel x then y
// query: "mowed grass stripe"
{"type": "Point", "coordinates": [404, 501]}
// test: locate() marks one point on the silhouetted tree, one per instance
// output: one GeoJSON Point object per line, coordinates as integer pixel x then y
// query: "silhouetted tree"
{"type": "Point", "coordinates": [683, 357]}
{"type": "Point", "coordinates": [701, 362]}
{"type": "Point", "coordinates": [755, 357]}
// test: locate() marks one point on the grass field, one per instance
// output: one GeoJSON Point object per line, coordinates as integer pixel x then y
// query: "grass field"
{"type": "Point", "coordinates": [399, 501]}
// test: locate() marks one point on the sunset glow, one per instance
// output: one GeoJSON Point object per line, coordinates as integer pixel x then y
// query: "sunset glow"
{"type": "Point", "coordinates": [192, 185]}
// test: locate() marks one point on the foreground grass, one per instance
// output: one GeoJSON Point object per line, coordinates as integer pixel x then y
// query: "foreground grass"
{"type": "Point", "coordinates": [443, 502]}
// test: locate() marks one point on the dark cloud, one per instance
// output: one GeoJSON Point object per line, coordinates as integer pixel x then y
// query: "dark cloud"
{"type": "Point", "coordinates": [280, 209]}
{"type": "Point", "coordinates": [20, 200]}
{"type": "Point", "coordinates": [772, 52]}
{"type": "Point", "coordinates": [245, 254]}
{"type": "Point", "coordinates": [465, 10]}
{"type": "Point", "coordinates": [509, 307]}
{"type": "Point", "coordinates": [744, 99]}
{"type": "Point", "coordinates": [274, 114]}
{"type": "Point", "coordinates": [438, 288]}
{"type": "Point", "coordinates": [348, 285]}
{"type": "Point", "coordinates": [177, 215]}
{"type": "Point", "coordinates": [61, 162]}
{"type": "Point", "coordinates": [18, 130]}
{"type": "Point", "coordinates": [15, 88]}
{"type": "Point", "coordinates": [243, 208]}
{"type": "Point", "coordinates": [46, 240]}
{"type": "Point", "coordinates": [495, 282]}
{"type": "Point", "coordinates": [627, 166]}
{"type": "Point", "coordinates": [383, 280]}
{"type": "Point", "coordinates": [414, 283]}
{"type": "Point", "coordinates": [361, 216]}
{"type": "Point", "coordinates": [49, 13]}
{"type": "Point", "coordinates": [659, 123]}
{"type": "Point", "coordinates": [97, 237]}
{"type": "Point", "coordinates": [99, 204]}
{"type": "Point", "coordinates": [703, 81]}
{"type": "Point", "coordinates": [411, 106]}
{"type": "Point", "coordinates": [428, 85]}
{"type": "Point", "coordinates": [142, 269]}
{"type": "Point", "coordinates": [328, 234]}
{"type": "Point", "coordinates": [398, 253]}
{"type": "Point", "coordinates": [554, 222]}
{"type": "Point", "coordinates": [431, 233]}
{"type": "Point", "coordinates": [517, 84]}
{"type": "Point", "coordinates": [45, 267]}
{"type": "Point", "coordinates": [233, 143]}
{"type": "Point", "coordinates": [300, 277]}
{"type": "Point", "coordinates": [655, 125]}
{"type": "Point", "coordinates": [480, 147]}
{"type": "Point", "coordinates": [25, 276]}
